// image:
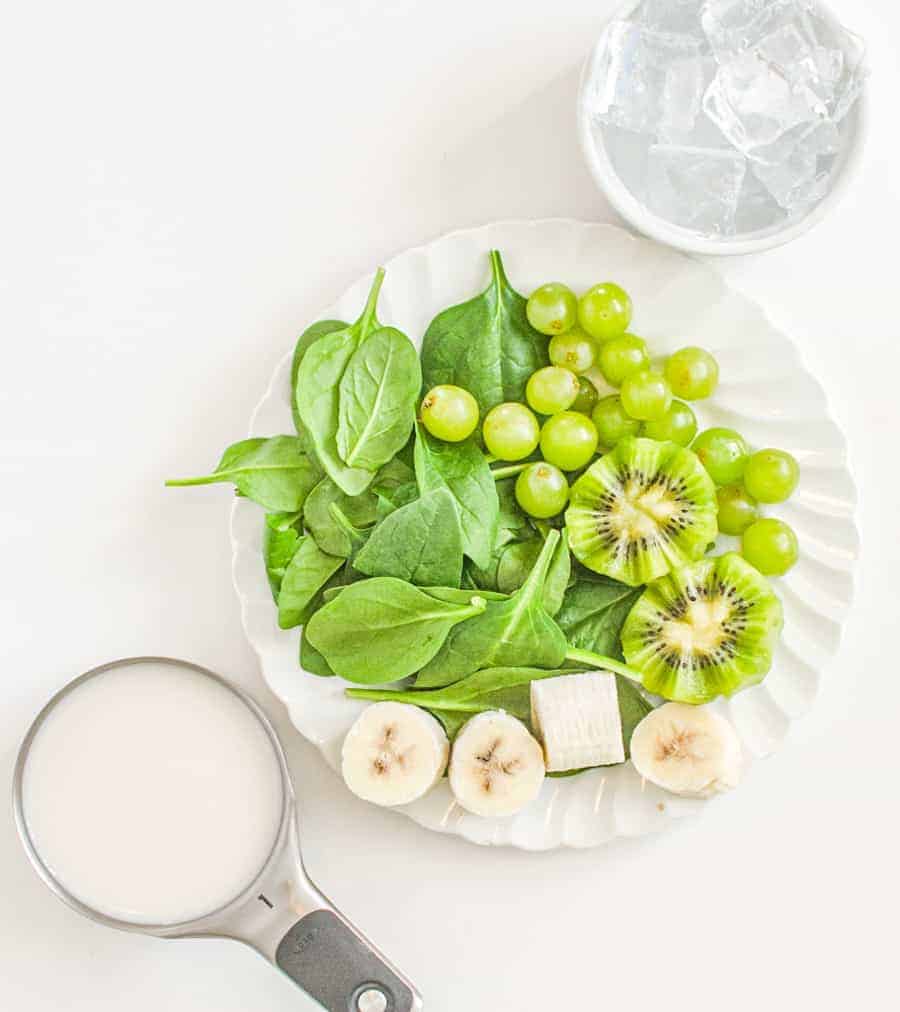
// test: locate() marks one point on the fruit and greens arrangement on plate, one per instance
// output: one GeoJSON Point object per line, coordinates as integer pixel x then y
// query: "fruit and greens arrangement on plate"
{"type": "Point", "coordinates": [507, 545]}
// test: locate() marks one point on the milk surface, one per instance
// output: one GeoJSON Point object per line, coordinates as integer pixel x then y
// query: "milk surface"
{"type": "Point", "coordinates": [152, 793]}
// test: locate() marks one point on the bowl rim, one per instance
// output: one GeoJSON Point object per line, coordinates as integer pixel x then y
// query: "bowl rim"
{"type": "Point", "coordinates": [642, 218]}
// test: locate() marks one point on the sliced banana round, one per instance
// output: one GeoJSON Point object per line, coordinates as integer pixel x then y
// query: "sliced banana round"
{"type": "Point", "coordinates": [394, 753]}
{"type": "Point", "coordinates": [497, 766]}
{"type": "Point", "coordinates": [687, 750]}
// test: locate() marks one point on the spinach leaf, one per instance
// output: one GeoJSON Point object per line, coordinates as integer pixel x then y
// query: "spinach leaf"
{"type": "Point", "coordinates": [311, 660]}
{"type": "Point", "coordinates": [513, 632]}
{"type": "Point", "coordinates": [395, 485]}
{"type": "Point", "coordinates": [633, 707]}
{"type": "Point", "coordinates": [317, 393]}
{"type": "Point", "coordinates": [558, 576]}
{"type": "Point", "coordinates": [491, 689]}
{"type": "Point", "coordinates": [519, 558]}
{"type": "Point", "coordinates": [309, 337]}
{"type": "Point", "coordinates": [383, 629]}
{"type": "Point", "coordinates": [420, 543]}
{"type": "Point", "coordinates": [356, 536]}
{"type": "Point", "coordinates": [306, 574]}
{"type": "Point", "coordinates": [377, 399]}
{"type": "Point", "coordinates": [273, 472]}
{"type": "Point", "coordinates": [511, 517]}
{"type": "Point", "coordinates": [485, 345]}
{"type": "Point", "coordinates": [463, 469]}
{"type": "Point", "coordinates": [281, 539]}
{"type": "Point", "coordinates": [462, 595]}
{"type": "Point", "coordinates": [593, 613]}
{"type": "Point", "coordinates": [516, 562]}
{"type": "Point", "coordinates": [331, 537]}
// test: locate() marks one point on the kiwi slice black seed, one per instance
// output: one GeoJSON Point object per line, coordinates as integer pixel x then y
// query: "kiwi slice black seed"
{"type": "Point", "coordinates": [641, 510]}
{"type": "Point", "coordinates": [703, 631]}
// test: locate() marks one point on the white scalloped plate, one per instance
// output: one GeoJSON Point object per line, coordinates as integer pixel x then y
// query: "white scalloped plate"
{"type": "Point", "coordinates": [765, 392]}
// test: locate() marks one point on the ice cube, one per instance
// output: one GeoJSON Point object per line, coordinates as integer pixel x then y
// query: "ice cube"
{"type": "Point", "coordinates": [627, 151]}
{"type": "Point", "coordinates": [695, 187]}
{"type": "Point", "coordinates": [757, 209]}
{"type": "Point", "coordinates": [843, 59]}
{"type": "Point", "coordinates": [679, 16]}
{"type": "Point", "coordinates": [759, 110]}
{"type": "Point", "coordinates": [796, 183]}
{"type": "Point", "coordinates": [734, 26]}
{"type": "Point", "coordinates": [682, 96]}
{"type": "Point", "coordinates": [632, 71]}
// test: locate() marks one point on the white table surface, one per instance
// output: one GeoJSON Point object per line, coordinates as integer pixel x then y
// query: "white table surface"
{"type": "Point", "coordinates": [184, 184]}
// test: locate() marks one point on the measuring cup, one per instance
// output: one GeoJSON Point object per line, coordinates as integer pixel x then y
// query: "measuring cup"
{"type": "Point", "coordinates": [280, 913]}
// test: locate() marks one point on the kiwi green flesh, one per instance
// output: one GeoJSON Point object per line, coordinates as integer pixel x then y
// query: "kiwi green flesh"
{"type": "Point", "coordinates": [706, 630]}
{"type": "Point", "coordinates": [643, 509]}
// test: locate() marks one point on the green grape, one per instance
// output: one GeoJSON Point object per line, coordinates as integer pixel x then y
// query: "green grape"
{"type": "Point", "coordinates": [542, 490]}
{"type": "Point", "coordinates": [605, 311]}
{"type": "Point", "coordinates": [723, 453]}
{"type": "Point", "coordinates": [692, 373]}
{"type": "Point", "coordinates": [646, 395]}
{"type": "Point", "coordinates": [510, 431]}
{"type": "Point", "coordinates": [737, 509]}
{"type": "Point", "coordinates": [677, 425]}
{"type": "Point", "coordinates": [573, 350]}
{"type": "Point", "coordinates": [587, 396]}
{"type": "Point", "coordinates": [449, 413]}
{"type": "Point", "coordinates": [612, 423]}
{"type": "Point", "coordinates": [771, 475]}
{"type": "Point", "coordinates": [622, 356]}
{"type": "Point", "coordinates": [551, 389]}
{"type": "Point", "coordinates": [771, 546]}
{"type": "Point", "coordinates": [568, 440]}
{"type": "Point", "coordinates": [552, 308]}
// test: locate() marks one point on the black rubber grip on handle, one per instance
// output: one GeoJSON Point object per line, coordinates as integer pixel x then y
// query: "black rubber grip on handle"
{"type": "Point", "coordinates": [334, 965]}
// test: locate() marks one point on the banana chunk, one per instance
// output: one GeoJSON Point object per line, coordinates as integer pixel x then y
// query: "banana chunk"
{"type": "Point", "coordinates": [394, 753]}
{"type": "Point", "coordinates": [577, 718]}
{"type": "Point", "coordinates": [687, 750]}
{"type": "Point", "coordinates": [496, 766]}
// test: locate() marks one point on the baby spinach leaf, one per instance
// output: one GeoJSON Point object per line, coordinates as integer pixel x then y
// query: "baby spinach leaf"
{"type": "Point", "coordinates": [516, 562]}
{"type": "Point", "coordinates": [377, 399]}
{"type": "Point", "coordinates": [331, 537]}
{"type": "Point", "coordinates": [506, 689]}
{"type": "Point", "coordinates": [463, 469]}
{"type": "Point", "coordinates": [593, 613]}
{"type": "Point", "coordinates": [514, 632]}
{"type": "Point", "coordinates": [462, 595]}
{"type": "Point", "coordinates": [383, 629]}
{"type": "Point", "coordinates": [311, 660]}
{"type": "Point", "coordinates": [273, 472]}
{"type": "Point", "coordinates": [485, 345]}
{"type": "Point", "coordinates": [519, 558]}
{"type": "Point", "coordinates": [420, 543]}
{"type": "Point", "coordinates": [356, 536]}
{"type": "Point", "coordinates": [317, 393]}
{"type": "Point", "coordinates": [281, 539]}
{"type": "Point", "coordinates": [309, 337]}
{"type": "Point", "coordinates": [305, 575]}
{"type": "Point", "coordinates": [633, 707]}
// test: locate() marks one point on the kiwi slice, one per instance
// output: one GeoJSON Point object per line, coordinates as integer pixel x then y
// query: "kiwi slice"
{"type": "Point", "coordinates": [643, 509]}
{"type": "Point", "coordinates": [703, 631]}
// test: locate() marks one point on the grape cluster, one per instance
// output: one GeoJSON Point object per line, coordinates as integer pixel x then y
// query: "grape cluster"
{"type": "Point", "coordinates": [569, 422]}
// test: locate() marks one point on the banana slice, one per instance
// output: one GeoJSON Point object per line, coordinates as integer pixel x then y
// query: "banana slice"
{"type": "Point", "coordinates": [577, 718]}
{"type": "Point", "coordinates": [394, 753]}
{"type": "Point", "coordinates": [496, 767]}
{"type": "Point", "coordinates": [687, 750]}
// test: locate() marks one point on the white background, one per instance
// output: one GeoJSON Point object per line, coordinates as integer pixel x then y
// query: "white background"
{"type": "Point", "coordinates": [185, 183]}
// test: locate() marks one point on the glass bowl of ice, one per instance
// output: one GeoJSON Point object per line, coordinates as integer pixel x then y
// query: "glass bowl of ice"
{"type": "Point", "coordinates": [723, 126]}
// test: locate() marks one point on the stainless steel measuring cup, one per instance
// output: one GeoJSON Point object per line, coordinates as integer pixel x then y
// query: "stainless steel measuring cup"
{"type": "Point", "coordinates": [281, 913]}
